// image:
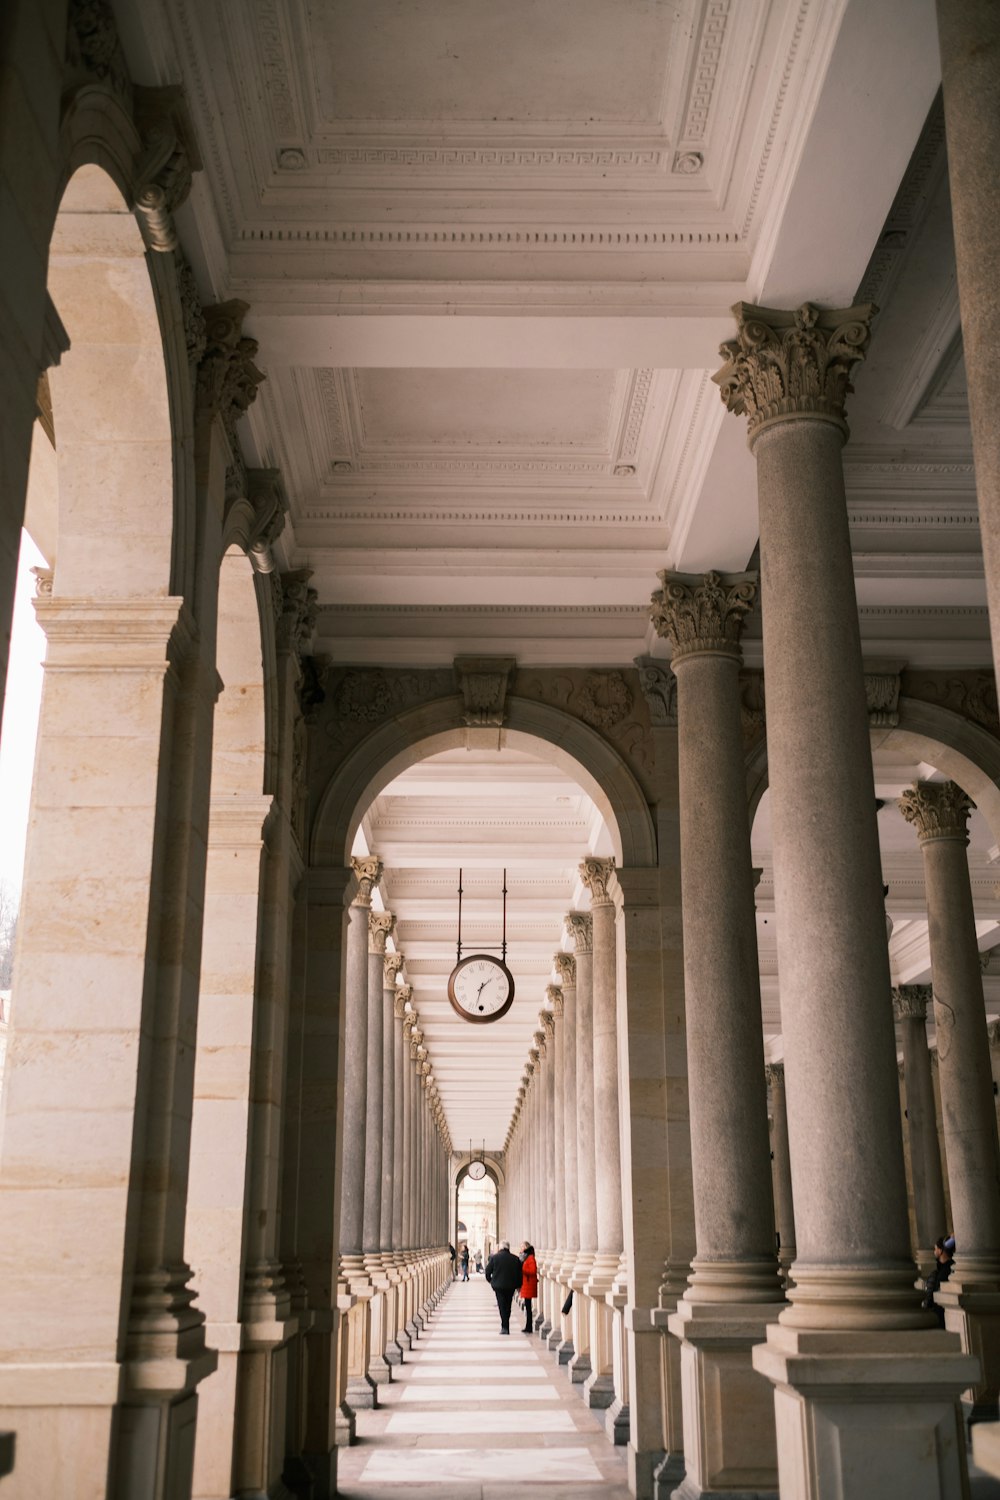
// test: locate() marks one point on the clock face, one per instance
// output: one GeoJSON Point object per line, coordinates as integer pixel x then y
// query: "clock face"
{"type": "Point", "coordinates": [481, 988]}
{"type": "Point", "coordinates": [477, 1171]}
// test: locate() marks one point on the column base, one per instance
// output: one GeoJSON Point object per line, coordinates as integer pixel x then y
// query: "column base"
{"type": "Point", "coordinates": [565, 1351]}
{"type": "Point", "coordinates": [599, 1391]}
{"type": "Point", "coordinates": [380, 1370]}
{"type": "Point", "coordinates": [579, 1368]}
{"type": "Point", "coordinates": [617, 1423]}
{"type": "Point", "coordinates": [690, 1489]}
{"type": "Point", "coordinates": [728, 1410]}
{"type": "Point", "coordinates": [975, 1317]}
{"type": "Point", "coordinates": [344, 1428]}
{"type": "Point", "coordinates": [667, 1475]}
{"type": "Point", "coordinates": [362, 1393]}
{"type": "Point", "coordinates": [394, 1352]}
{"type": "Point", "coordinates": [866, 1414]}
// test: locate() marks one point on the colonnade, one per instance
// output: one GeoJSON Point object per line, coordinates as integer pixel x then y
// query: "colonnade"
{"type": "Point", "coordinates": [395, 1181]}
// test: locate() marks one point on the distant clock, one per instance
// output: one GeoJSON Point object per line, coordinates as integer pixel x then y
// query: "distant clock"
{"type": "Point", "coordinates": [481, 988]}
{"type": "Point", "coordinates": [477, 1170]}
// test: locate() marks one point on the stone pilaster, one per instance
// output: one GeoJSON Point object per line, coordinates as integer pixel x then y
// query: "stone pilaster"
{"type": "Point", "coordinates": [734, 1291]}
{"type": "Point", "coordinates": [789, 372]}
{"type": "Point", "coordinates": [939, 811]}
{"type": "Point", "coordinates": [909, 1010]}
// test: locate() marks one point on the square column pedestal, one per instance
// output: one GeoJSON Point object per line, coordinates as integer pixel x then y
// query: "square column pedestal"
{"type": "Point", "coordinates": [861, 1415]}
{"type": "Point", "coordinates": [728, 1408]}
{"type": "Point", "coordinates": [974, 1315]}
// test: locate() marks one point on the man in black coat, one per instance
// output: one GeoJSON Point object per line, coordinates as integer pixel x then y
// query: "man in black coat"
{"type": "Point", "coordinates": [503, 1272]}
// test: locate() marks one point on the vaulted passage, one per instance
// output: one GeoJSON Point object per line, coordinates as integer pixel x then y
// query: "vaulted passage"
{"type": "Point", "coordinates": [502, 995]}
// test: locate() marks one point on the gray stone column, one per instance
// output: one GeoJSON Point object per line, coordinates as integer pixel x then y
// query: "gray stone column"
{"type": "Point", "coordinates": [784, 1198]}
{"type": "Point", "coordinates": [599, 1386]}
{"type": "Point", "coordinates": [391, 967]}
{"type": "Point", "coordinates": [360, 1386]}
{"type": "Point", "coordinates": [940, 812]}
{"type": "Point", "coordinates": [550, 1183]}
{"type": "Point", "coordinates": [789, 372]}
{"type": "Point", "coordinates": [969, 32]}
{"type": "Point", "coordinates": [558, 1252]}
{"type": "Point", "coordinates": [580, 926]}
{"type": "Point", "coordinates": [400, 1062]}
{"type": "Point", "coordinates": [734, 1291]}
{"type": "Point", "coordinates": [380, 925]}
{"type": "Point", "coordinates": [565, 965]}
{"type": "Point", "coordinates": [909, 1009]}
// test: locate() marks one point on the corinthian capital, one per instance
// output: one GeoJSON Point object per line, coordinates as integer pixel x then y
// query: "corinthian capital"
{"type": "Point", "coordinates": [580, 926]}
{"type": "Point", "coordinates": [785, 364]}
{"type": "Point", "coordinates": [565, 966]}
{"type": "Point", "coordinates": [401, 995]}
{"type": "Point", "coordinates": [368, 873]}
{"type": "Point", "coordinates": [774, 1072]}
{"type": "Point", "coordinates": [380, 924]}
{"type": "Point", "coordinates": [170, 156]}
{"type": "Point", "coordinates": [391, 965]}
{"type": "Point", "coordinates": [547, 1018]}
{"type": "Point", "coordinates": [227, 376]}
{"type": "Point", "coordinates": [937, 810]}
{"type": "Point", "coordinates": [297, 618]}
{"type": "Point", "coordinates": [910, 1001]}
{"type": "Point", "coordinates": [698, 613]}
{"type": "Point", "coordinates": [595, 874]}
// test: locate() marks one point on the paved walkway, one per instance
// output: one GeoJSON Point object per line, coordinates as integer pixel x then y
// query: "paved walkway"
{"type": "Point", "coordinates": [475, 1416]}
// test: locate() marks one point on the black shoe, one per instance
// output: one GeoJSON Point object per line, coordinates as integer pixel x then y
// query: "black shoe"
{"type": "Point", "coordinates": [527, 1330]}
{"type": "Point", "coordinates": [505, 1330]}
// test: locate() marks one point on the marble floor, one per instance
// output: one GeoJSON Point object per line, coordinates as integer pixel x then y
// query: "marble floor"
{"type": "Point", "coordinates": [474, 1416]}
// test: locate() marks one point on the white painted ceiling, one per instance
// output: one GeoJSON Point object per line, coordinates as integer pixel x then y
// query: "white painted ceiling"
{"type": "Point", "coordinates": [489, 254]}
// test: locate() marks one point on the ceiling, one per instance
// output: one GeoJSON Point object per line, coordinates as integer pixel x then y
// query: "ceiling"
{"type": "Point", "coordinates": [490, 253]}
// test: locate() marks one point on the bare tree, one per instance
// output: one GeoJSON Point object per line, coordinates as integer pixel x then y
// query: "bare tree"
{"type": "Point", "coordinates": [8, 932]}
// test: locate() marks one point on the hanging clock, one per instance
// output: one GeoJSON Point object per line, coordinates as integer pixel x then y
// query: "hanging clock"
{"type": "Point", "coordinates": [481, 988]}
{"type": "Point", "coordinates": [477, 1170]}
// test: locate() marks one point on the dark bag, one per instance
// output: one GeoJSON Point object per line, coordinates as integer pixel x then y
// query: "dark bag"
{"type": "Point", "coordinates": [567, 1306]}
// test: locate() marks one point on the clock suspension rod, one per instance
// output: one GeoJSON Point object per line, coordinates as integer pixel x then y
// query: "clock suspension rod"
{"type": "Point", "coordinates": [459, 958]}
{"type": "Point", "coordinates": [504, 949]}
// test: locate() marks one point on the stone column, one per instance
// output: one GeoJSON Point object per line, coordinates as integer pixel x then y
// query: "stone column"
{"type": "Point", "coordinates": [789, 371]}
{"type": "Point", "coordinates": [969, 32]}
{"type": "Point", "coordinates": [380, 926]}
{"type": "Point", "coordinates": [733, 1292]}
{"type": "Point", "coordinates": [565, 966]}
{"type": "Point", "coordinates": [558, 1252]}
{"type": "Point", "coordinates": [392, 1154]}
{"type": "Point", "coordinates": [784, 1200]}
{"type": "Point", "coordinates": [599, 1387]}
{"type": "Point", "coordinates": [360, 1386]}
{"type": "Point", "coordinates": [406, 1178]}
{"type": "Point", "coordinates": [940, 812]}
{"type": "Point", "coordinates": [580, 926]}
{"type": "Point", "coordinates": [909, 1009]}
{"type": "Point", "coordinates": [550, 1183]}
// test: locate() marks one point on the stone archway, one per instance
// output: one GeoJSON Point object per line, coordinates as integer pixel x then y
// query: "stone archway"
{"type": "Point", "coordinates": [495, 1173]}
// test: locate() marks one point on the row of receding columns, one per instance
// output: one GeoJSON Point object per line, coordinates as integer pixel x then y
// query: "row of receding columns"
{"type": "Point", "coordinates": [564, 1159]}
{"type": "Point", "coordinates": [395, 1166]}
{"type": "Point", "coordinates": [843, 1331]}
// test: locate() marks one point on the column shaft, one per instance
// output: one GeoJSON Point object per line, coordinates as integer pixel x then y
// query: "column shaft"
{"type": "Point", "coordinates": [910, 1009]}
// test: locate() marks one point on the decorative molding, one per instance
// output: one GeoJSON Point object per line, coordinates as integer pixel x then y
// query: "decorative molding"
{"type": "Point", "coordinates": [938, 810]}
{"type": "Point", "coordinates": [580, 927]}
{"type": "Point", "coordinates": [971, 694]}
{"type": "Point", "coordinates": [659, 688]}
{"type": "Point", "coordinates": [297, 620]}
{"type": "Point", "coordinates": [705, 72]}
{"type": "Point", "coordinates": [170, 157]}
{"type": "Point", "coordinates": [483, 683]}
{"type": "Point", "coordinates": [787, 364]}
{"type": "Point", "coordinates": [776, 112]}
{"type": "Point", "coordinates": [702, 613]}
{"type": "Point", "coordinates": [596, 874]}
{"type": "Point", "coordinates": [93, 48]}
{"type": "Point", "coordinates": [604, 699]}
{"type": "Point", "coordinates": [645, 159]}
{"type": "Point", "coordinates": [583, 238]}
{"type": "Point", "coordinates": [191, 310]}
{"type": "Point", "coordinates": [642, 383]}
{"type": "Point", "coordinates": [910, 1001]}
{"type": "Point", "coordinates": [274, 66]}
{"type": "Point", "coordinates": [882, 686]}
{"type": "Point", "coordinates": [908, 208]}
{"type": "Point", "coordinates": [368, 872]}
{"type": "Point", "coordinates": [269, 506]}
{"type": "Point", "coordinates": [227, 379]}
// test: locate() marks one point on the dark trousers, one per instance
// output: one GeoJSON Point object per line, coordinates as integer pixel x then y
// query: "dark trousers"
{"type": "Point", "coordinates": [528, 1326]}
{"type": "Point", "coordinates": [504, 1296]}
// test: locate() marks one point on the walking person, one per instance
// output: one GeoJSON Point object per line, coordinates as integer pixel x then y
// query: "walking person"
{"type": "Point", "coordinates": [504, 1273]}
{"type": "Point", "coordinates": [454, 1260]}
{"type": "Point", "coordinates": [529, 1283]}
{"type": "Point", "coordinates": [465, 1262]}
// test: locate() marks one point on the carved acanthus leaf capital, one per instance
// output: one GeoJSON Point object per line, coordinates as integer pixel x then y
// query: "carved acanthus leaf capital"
{"type": "Point", "coordinates": [774, 1072]}
{"type": "Point", "coordinates": [565, 966]}
{"type": "Point", "coordinates": [580, 926]}
{"type": "Point", "coordinates": [227, 376]}
{"type": "Point", "coordinates": [391, 965]}
{"type": "Point", "coordinates": [380, 925]}
{"type": "Point", "coordinates": [266, 494]}
{"type": "Point", "coordinates": [910, 1001]}
{"type": "Point", "coordinates": [297, 620]}
{"type": "Point", "coordinates": [882, 688]}
{"type": "Point", "coordinates": [170, 157]}
{"type": "Point", "coordinates": [784, 364]}
{"type": "Point", "coordinates": [937, 810]}
{"type": "Point", "coordinates": [547, 1017]}
{"type": "Point", "coordinates": [698, 613]}
{"type": "Point", "coordinates": [368, 872]}
{"type": "Point", "coordinates": [595, 874]}
{"type": "Point", "coordinates": [483, 682]}
{"type": "Point", "coordinates": [659, 688]}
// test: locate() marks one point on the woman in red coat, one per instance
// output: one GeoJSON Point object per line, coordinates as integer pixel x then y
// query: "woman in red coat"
{"type": "Point", "coordinates": [529, 1283]}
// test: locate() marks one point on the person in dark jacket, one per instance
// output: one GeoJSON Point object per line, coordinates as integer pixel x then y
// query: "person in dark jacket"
{"type": "Point", "coordinates": [944, 1249]}
{"type": "Point", "coordinates": [464, 1260]}
{"type": "Point", "coordinates": [504, 1274]}
{"type": "Point", "coordinates": [529, 1283]}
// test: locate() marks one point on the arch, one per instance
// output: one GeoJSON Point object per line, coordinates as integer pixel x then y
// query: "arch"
{"type": "Point", "coordinates": [964, 751]}
{"type": "Point", "coordinates": [426, 730]}
{"type": "Point", "coordinates": [493, 1167]}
